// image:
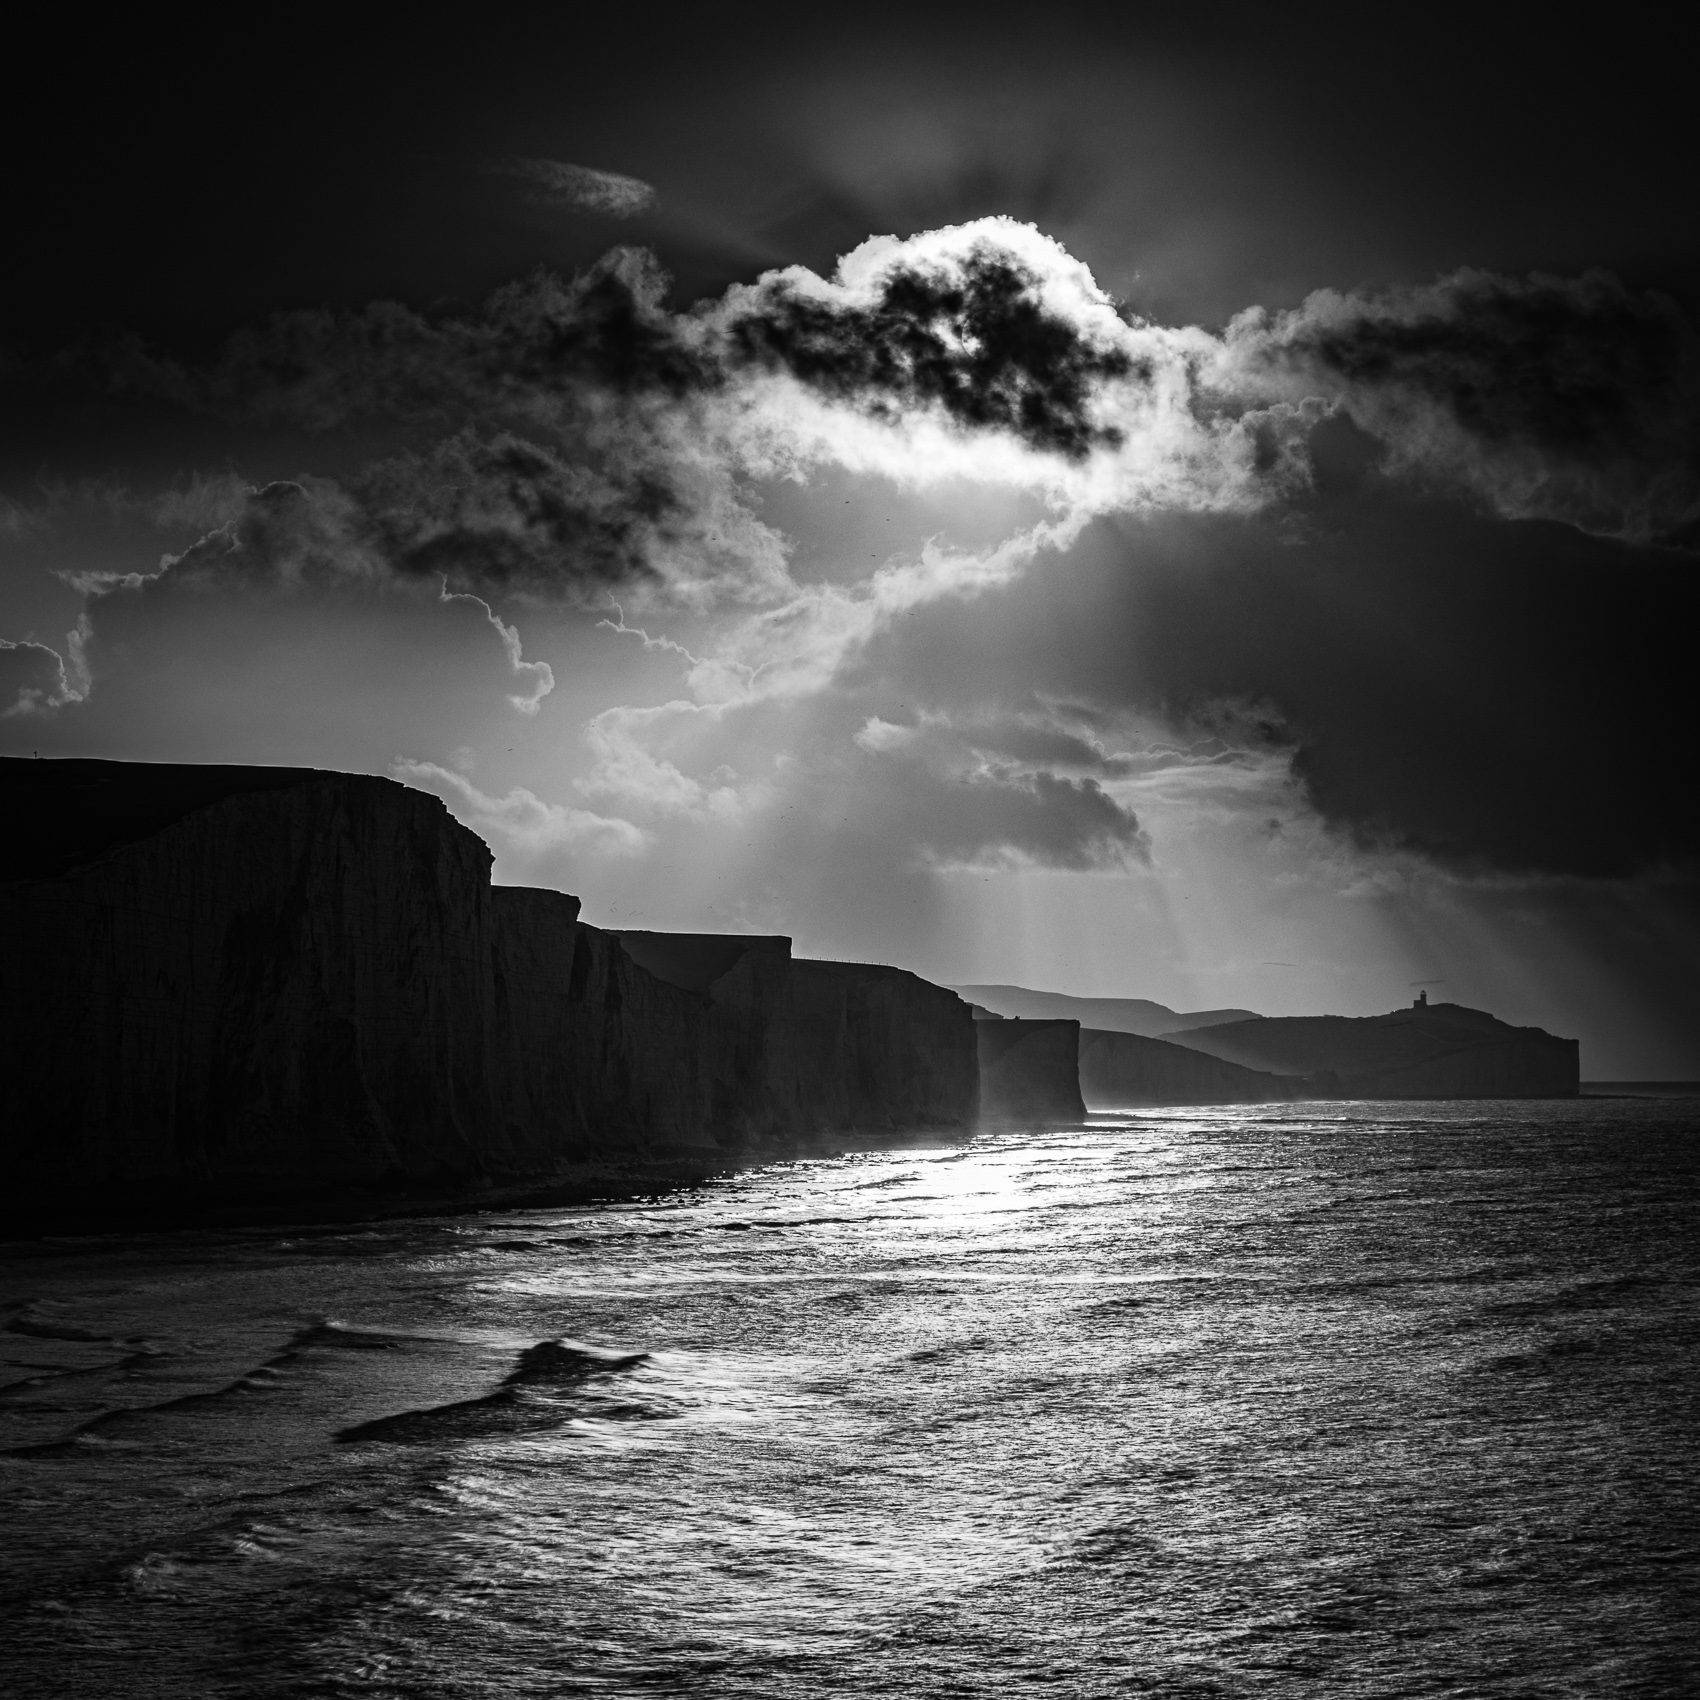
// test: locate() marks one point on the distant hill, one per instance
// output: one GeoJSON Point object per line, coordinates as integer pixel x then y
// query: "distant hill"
{"type": "Point", "coordinates": [1427, 1051]}
{"type": "Point", "coordinates": [1110, 1015]}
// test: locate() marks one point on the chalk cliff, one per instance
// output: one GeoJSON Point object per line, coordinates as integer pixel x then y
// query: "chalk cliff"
{"type": "Point", "coordinates": [228, 985]}
{"type": "Point", "coordinates": [719, 1041]}
{"type": "Point", "coordinates": [880, 1050]}
{"type": "Point", "coordinates": [1029, 1070]}
{"type": "Point", "coordinates": [1427, 1051]}
{"type": "Point", "coordinates": [274, 981]}
{"type": "Point", "coordinates": [1125, 1070]}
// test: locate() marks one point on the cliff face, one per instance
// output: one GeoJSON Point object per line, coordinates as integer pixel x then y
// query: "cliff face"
{"type": "Point", "coordinates": [239, 984]}
{"type": "Point", "coordinates": [281, 981]}
{"type": "Point", "coordinates": [1029, 1071]}
{"type": "Point", "coordinates": [1121, 1070]}
{"type": "Point", "coordinates": [722, 1042]}
{"type": "Point", "coordinates": [880, 1051]}
{"type": "Point", "coordinates": [1433, 1051]}
{"type": "Point", "coordinates": [675, 1064]}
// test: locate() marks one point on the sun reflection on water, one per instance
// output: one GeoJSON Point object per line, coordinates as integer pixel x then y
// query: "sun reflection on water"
{"type": "Point", "coordinates": [1284, 1400]}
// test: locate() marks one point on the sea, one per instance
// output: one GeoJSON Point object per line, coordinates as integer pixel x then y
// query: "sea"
{"type": "Point", "coordinates": [1347, 1399]}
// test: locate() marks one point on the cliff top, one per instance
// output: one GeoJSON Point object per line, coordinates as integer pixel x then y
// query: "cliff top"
{"type": "Point", "coordinates": [76, 811]}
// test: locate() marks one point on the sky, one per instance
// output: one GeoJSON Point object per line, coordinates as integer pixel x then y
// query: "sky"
{"type": "Point", "coordinates": [1177, 502]}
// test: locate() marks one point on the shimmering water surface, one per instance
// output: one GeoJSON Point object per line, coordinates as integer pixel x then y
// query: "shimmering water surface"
{"type": "Point", "coordinates": [1296, 1400]}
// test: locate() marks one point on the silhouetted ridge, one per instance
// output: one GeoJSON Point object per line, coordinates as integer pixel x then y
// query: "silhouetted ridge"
{"type": "Point", "coordinates": [1426, 1051]}
{"type": "Point", "coordinates": [1140, 1053]}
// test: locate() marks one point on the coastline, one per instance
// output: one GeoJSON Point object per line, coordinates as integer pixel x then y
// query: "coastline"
{"type": "Point", "coordinates": [328, 1208]}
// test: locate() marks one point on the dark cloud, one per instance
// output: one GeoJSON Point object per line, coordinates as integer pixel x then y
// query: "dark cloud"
{"type": "Point", "coordinates": [1567, 398]}
{"type": "Point", "coordinates": [497, 515]}
{"type": "Point", "coordinates": [507, 514]}
{"type": "Point", "coordinates": [969, 335]}
{"type": "Point", "coordinates": [1505, 698]}
{"type": "Point", "coordinates": [1575, 399]}
{"type": "Point", "coordinates": [934, 790]}
{"type": "Point", "coordinates": [1043, 817]}
{"type": "Point", "coordinates": [558, 443]}
{"type": "Point", "coordinates": [286, 533]}
{"type": "Point", "coordinates": [973, 339]}
{"type": "Point", "coordinates": [1531, 713]}
{"type": "Point", "coordinates": [930, 808]}
{"type": "Point", "coordinates": [533, 351]}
